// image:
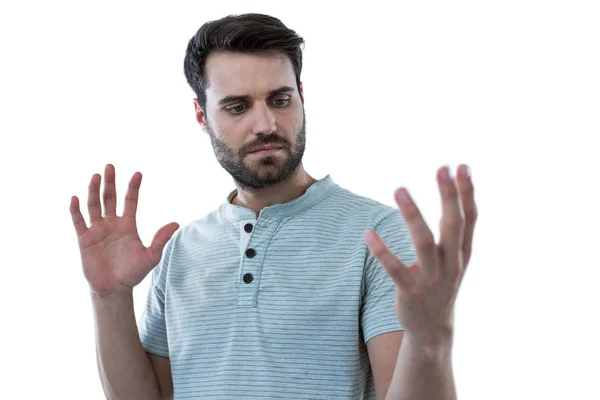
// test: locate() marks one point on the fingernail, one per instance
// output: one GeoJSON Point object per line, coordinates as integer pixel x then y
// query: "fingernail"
{"type": "Point", "coordinates": [370, 238]}
{"type": "Point", "coordinates": [403, 197]}
{"type": "Point", "coordinates": [445, 175]}
{"type": "Point", "coordinates": [467, 171]}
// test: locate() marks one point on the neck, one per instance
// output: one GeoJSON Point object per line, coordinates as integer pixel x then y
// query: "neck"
{"type": "Point", "coordinates": [281, 193]}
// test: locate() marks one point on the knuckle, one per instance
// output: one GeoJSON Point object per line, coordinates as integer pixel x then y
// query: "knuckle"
{"type": "Point", "coordinates": [108, 195]}
{"type": "Point", "coordinates": [452, 189]}
{"type": "Point", "coordinates": [467, 187]}
{"type": "Point", "coordinates": [412, 213]}
{"type": "Point", "coordinates": [409, 294]}
{"type": "Point", "coordinates": [379, 251]}
{"type": "Point", "coordinates": [452, 223]}
{"type": "Point", "coordinates": [376, 251]}
{"type": "Point", "coordinates": [470, 215]}
{"type": "Point", "coordinates": [425, 244]}
{"type": "Point", "coordinates": [436, 280]}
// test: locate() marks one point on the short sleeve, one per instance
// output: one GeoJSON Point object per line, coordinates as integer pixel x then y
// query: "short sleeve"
{"type": "Point", "coordinates": [152, 326]}
{"type": "Point", "coordinates": [378, 314]}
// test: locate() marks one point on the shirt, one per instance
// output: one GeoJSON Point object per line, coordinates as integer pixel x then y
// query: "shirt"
{"type": "Point", "coordinates": [278, 306]}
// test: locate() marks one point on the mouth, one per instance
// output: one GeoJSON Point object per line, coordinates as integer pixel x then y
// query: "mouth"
{"type": "Point", "coordinates": [271, 150]}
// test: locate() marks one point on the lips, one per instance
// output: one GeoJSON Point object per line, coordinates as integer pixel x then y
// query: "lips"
{"type": "Point", "coordinates": [270, 147]}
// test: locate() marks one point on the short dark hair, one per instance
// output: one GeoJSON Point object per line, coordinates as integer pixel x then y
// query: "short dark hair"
{"type": "Point", "coordinates": [245, 33]}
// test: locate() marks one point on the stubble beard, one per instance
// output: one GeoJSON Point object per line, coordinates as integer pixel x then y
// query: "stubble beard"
{"type": "Point", "coordinates": [258, 172]}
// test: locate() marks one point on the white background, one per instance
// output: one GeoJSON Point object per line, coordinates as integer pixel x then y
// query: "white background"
{"type": "Point", "coordinates": [511, 88]}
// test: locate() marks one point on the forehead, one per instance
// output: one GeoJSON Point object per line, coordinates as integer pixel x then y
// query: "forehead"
{"type": "Point", "coordinates": [232, 73]}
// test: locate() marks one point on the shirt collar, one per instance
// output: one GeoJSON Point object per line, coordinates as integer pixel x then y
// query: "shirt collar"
{"type": "Point", "coordinates": [315, 193]}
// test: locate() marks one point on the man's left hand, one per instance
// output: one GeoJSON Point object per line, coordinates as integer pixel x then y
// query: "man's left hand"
{"type": "Point", "coordinates": [426, 290]}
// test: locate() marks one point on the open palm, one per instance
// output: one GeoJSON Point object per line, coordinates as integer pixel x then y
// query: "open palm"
{"type": "Point", "coordinates": [112, 254]}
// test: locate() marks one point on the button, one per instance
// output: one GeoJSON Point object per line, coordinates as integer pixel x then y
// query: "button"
{"type": "Point", "coordinates": [248, 278]}
{"type": "Point", "coordinates": [248, 228]}
{"type": "Point", "coordinates": [250, 253]}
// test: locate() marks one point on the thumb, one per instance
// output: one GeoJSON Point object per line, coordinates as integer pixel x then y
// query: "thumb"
{"type": "Point", "coordinates": [160, 240]}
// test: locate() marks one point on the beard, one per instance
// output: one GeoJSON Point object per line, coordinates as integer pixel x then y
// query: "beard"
{"type": "Point", "coordinates": [257, 172]}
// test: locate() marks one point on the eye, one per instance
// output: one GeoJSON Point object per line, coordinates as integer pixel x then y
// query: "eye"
{"type": "Point", "coordinates": [236, 109]}
{"type": "Point", "coordinates": [281, 102]}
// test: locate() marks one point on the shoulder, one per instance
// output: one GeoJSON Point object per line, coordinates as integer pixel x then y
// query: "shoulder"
{"type": "Point", "coordinates": [367, 212]}
{"type": "Point", "coordinates": [191, 232]}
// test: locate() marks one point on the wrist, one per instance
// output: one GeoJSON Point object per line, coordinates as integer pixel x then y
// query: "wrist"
{"type": "Point", "coordinates": [112, 295]}
{"type": "Point", "coordinates": [434, 346]}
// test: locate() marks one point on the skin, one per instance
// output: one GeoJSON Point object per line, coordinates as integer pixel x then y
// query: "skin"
{"type": "Point", "coordinates": [238, 126]}
{"type": "Point", "coordinates": [426, 290]}
{"type": "Point", "coordinates": [114, 259]}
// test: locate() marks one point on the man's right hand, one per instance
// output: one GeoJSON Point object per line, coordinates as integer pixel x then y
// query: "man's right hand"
{"type": "Point", "coordinates": [114, 258]}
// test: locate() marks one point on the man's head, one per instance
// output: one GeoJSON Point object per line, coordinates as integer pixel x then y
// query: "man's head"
{"type": "Point", "coordinates": [245, 72]}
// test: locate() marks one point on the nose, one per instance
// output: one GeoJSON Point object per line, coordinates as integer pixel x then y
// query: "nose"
{"type": "Point", "coordinates": [264, 120]}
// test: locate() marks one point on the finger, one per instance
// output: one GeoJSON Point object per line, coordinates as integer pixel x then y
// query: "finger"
{"type": "Point", "coordinates": [131, 198]}
{"type": "Point", "coordinates": [94, 207]}
{"type": "Point", "coordinates": [160, 240]}
{"type": "Point", "coordinates": [420, 233]}
{"type": "Point", "coordinates": [110, 192]}
{"type": "Point", "coordinates": [467, 195]}
{"type": "Point", "coordinates": [78, 221]}
{"type": "Point", "coordinates": [452, 222]}
{"type": "Point", "coordinates": [390, 263]}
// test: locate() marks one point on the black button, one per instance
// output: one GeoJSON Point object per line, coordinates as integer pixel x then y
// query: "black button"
{"type": "Point", "coordinates": [248, 278]}
{"type": "Point", "coordinates": [248, 228]}
{"type": "Point", "coordinates": [250, 253]}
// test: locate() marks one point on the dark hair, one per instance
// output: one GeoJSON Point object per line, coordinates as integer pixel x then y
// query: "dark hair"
{"type": "Point", "coordinates": [245, 33]}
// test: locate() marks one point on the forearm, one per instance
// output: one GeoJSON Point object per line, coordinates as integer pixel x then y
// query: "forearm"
{"type": "Point", "coordinates": [124, 367]}
{"type": "Point", "coordinates": [423, 372]}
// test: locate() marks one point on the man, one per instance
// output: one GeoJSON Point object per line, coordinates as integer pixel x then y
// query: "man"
{"type": "Point", "coordinates": [282, 292]}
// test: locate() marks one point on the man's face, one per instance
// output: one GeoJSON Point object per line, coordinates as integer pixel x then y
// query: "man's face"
{"type": "Point", "coordinates": [252, 101]}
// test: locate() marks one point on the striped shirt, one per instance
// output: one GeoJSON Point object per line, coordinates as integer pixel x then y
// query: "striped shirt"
{"type": "Point", "coordinates": [276, 307]}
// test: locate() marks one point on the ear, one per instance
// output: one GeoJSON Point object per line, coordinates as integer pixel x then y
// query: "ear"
{"type": "Point", "coordinates": [301, 93]}
{"type": "Point", "coordinates": [200, 115]}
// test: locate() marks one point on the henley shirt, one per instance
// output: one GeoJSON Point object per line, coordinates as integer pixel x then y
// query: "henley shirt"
{"type": "Point", "coordinates": [278, 306]}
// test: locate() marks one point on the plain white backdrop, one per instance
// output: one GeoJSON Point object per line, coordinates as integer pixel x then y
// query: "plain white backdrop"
{"type": "Point", "coordinates": [393, 91]}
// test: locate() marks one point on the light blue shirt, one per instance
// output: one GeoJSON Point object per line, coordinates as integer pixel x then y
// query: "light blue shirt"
{"type": "Point", "coordinates": [276, 307]}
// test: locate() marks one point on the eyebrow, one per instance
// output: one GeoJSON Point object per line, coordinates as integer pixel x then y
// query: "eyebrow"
{"type": "Point", "coordinates": [232, 98]}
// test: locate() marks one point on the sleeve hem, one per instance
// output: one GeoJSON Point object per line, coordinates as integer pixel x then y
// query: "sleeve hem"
{"type": "Point", "coordinates": [155, 350]}
{"type": "Point", "coordinates": [381, 331]}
